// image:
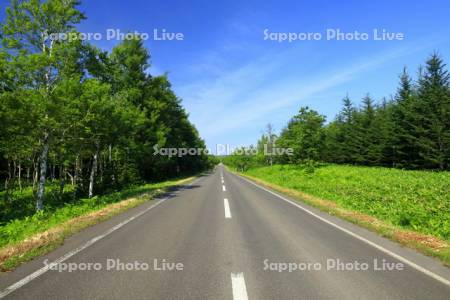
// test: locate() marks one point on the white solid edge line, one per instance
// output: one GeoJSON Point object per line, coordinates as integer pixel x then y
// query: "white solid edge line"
{"type": "Point", "coordinates": [394, 255]}
{"type": "Point", "coordinates": [68, 255]}
{"type": "Point", "coordinates": [227, 208]}
{"type": "Point", "coordinates": [238, 285]}
{"type": "Point", "coordinates": [223, 188]}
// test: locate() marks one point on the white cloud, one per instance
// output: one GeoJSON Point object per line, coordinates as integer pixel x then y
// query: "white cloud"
{"type": "Point", "coordinates": [249, 95]}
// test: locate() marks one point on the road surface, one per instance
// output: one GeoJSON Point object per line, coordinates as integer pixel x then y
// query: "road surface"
{"type": "Point", "coordinates": [223, 237]}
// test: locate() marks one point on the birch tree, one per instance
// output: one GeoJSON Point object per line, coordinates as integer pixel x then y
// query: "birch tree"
{"type": "Point", "coordinates": [32, 32]}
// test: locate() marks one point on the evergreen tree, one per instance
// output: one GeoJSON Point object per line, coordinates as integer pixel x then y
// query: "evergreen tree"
{"type": "Point", "coordinates": [368, 133]}
{"type": "Point", "coordinates": [432, 126]}
{"type": "Point", "coordinates": [386, 127]}
{"type": "Point", "coordinates": [341, 135]}
{"type": "Point", "coordinates": [405, 153]}
{"type": "Point", "coordinates": [412, 130]}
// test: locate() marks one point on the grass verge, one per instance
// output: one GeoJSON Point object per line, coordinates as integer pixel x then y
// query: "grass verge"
{"type": "Point", "coordinates": [22, 240]}
{"type": "Point", "coordinates": [425, 243]}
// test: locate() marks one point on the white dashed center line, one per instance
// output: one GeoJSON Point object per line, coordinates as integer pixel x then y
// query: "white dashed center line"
{"type": "Point", "coordinates": [239, 288]}
{"type": "Point", "coordinates": [227, 208]}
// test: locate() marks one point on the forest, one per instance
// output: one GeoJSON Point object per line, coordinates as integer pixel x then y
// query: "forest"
{"type": "Point", "coordinates": [384, 161]}
{"type": "Point", "coordinates": [410, 130]}
{"type": "Point", "coordinates": [77, 121]}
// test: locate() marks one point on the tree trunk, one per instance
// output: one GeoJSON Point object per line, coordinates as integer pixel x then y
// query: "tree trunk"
{"type": "Point", "coordinates": [62, 182]}
{"type": "Point", "coordinates": [8, 181]}
{"type": "Point", "coordinates": [6, 194]}
{"type": "Point", "coordinates": [72, 181]}
{"type": "Point", "coordinates": [93, 170]}
{"type": "Point", "coordinates": [75, 171]}
{"type": "Point", "coordinates": [53, 172]}
{"type": "Point", "coordinates": [43, 173]}
{"type": "Point", "coordinates": [19, 176]}
{"type": "Point", "coordinates": [102, 163]}
{"type": "Point", "coordinates": [35, 174]}
{"type": "Point", "coordinates": [76, 175]}
{"type": "Point", "coordinates": [14, 169]}
{"type": "Point", "coordinates": [9, 173]}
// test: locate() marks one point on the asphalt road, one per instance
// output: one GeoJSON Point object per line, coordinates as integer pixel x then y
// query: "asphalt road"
{"type": "Point", "coordinates": [223, 237]}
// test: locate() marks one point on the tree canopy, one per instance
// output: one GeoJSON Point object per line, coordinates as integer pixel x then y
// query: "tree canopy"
{"type": "Point", "coordinates": [72, 112]}
{"type": "Point", "coordinates": [410, 131]}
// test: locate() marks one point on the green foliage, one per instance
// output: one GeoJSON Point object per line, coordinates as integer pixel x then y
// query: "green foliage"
{"type": "Point", "coordinates": [432, 113]}
{"type": "Point", "coordinates": [21, 228]}
{"type": "Point", "coordinates": [74, 114]}
{"type": "Point", "coordinates": [304, 134]}
{"type": "Point", "coordinates": [417, 200]}
{"type": "Point", "coordinates": [411, 131]}
{"type": "Point", "coordinates": [18, 204]}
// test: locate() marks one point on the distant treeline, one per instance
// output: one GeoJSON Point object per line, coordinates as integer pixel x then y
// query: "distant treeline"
{"type": "Point", "coordinates": [410, 130]}
{"type": "Point", "coordinates": [75, 114]}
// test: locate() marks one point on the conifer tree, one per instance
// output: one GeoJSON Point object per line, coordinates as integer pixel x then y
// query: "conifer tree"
{"type": "Point", "coordinates": [432, 115]}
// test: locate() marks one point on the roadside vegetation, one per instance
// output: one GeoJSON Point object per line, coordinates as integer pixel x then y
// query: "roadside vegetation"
{"type": "Point", "coordinates": [23, 239]}
{"type": "Point", "coordinates": [410, 130]}
{"type": "Point", "coordinates": [77, 121]}
{"type": "Point", "coordinates": [384, 165]}
{"type": "Point", "coordinates": [398, 210]}
{"type": "Point", "coordinates": [78, 128]}
{"type": "Point", "coordinates": [415, 200]}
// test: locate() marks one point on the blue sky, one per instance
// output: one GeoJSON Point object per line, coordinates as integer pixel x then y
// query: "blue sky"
{"type": "Point", "coordinates": [233, 82]}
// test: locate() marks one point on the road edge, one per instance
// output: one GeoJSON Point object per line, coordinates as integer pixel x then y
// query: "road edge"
{"type": "Point", "coordinates": [54, 237]}
{"type": "Point", "coordinates": [380, 228]}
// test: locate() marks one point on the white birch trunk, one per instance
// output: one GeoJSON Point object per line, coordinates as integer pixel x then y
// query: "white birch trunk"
{"type": "Point", "coordinates": [43, 173]}
{"type": "Point", "coordinates": [92, 176]}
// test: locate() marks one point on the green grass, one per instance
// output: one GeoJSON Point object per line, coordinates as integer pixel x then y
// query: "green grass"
{"type": "Point", "coordinates": [19, 229]}
{"type": "Point", "coordinates": [57, 224]}
{"type": "Point", "coordinates": [22, 203]}
{"type": "Point", "coordinates": [413, 200]}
